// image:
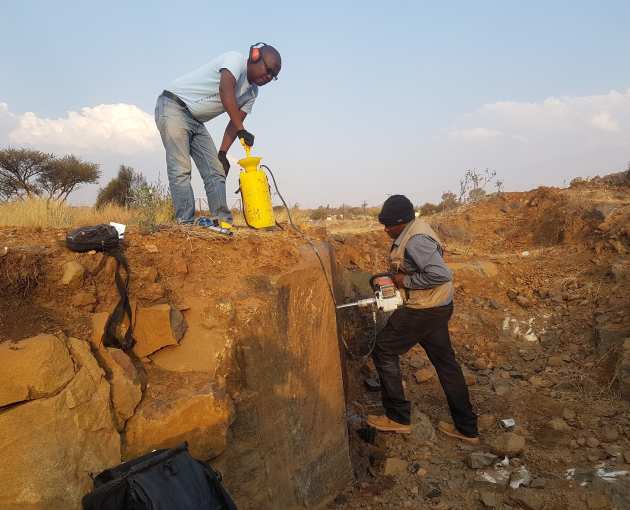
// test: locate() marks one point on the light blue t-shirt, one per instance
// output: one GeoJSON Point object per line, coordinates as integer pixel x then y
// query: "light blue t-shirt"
{"type": "Point", "coordinates": [200, 88]}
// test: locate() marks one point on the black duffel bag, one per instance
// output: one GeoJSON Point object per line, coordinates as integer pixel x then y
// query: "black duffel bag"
{"type": "Point", "coordinates": [167, 479]}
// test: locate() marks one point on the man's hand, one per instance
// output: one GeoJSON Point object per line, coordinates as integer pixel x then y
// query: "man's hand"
{"type": "Point", "coordinates": [224, 161]}
{"type": "Point", "coordinates": [247, 137]}
{"type": "Point", "coordinates": [399, 280]}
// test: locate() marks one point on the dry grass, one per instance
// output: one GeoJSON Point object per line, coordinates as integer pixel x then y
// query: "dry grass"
{"type": "Point", "coordinates": [42, 214]}
{"type": "Point", "coordinates": [20, 269]}
{"type": "Point", "coordinates": [39, 213]}
{"type": "Point", "coordinates": [297, 215]}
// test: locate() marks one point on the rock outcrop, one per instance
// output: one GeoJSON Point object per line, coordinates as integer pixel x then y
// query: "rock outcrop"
{"type": "Point", "coordinates": [156, 327]}
{"type": "Point", "coordinates": [33, 368]}
{"type": "Point", "coordinates": [176, 408]}
{"type": "Point", "coordinates": [51, 445]}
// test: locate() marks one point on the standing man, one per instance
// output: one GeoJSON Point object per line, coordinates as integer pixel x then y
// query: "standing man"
{"type": "Point", "coordinates": [426, 283]}
{"type": "Point", "coordinates": [229, 83]}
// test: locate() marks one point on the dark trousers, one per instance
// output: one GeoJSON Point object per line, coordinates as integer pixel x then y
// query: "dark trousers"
{"type": "Point", "coordinates": [429, 327]}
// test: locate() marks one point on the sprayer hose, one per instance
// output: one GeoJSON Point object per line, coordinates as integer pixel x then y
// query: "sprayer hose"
{"type": "Point", "coordinates": [354, 356]}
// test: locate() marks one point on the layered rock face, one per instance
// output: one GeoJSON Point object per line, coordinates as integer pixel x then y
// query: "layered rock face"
{"type": "Point", "coordinates": [289, 447]}
{"type": "Point", "coordinates": [251, 379]}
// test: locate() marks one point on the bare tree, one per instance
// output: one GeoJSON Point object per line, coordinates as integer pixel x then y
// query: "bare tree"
{"type": "Point", "coordinates": [472, 185]}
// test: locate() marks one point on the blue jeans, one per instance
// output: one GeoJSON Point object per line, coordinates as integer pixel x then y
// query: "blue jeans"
{"type": "Point", "coordinates": [183, 137]}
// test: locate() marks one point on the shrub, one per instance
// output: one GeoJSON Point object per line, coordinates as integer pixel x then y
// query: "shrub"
{"type": "Point", "coordinates": [118, 190]}
{"type": "Point", "coordinates": [152, 205]}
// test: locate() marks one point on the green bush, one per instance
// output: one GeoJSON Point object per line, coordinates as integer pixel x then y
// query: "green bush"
{"type": "Point", "coordinates": [118, 190]}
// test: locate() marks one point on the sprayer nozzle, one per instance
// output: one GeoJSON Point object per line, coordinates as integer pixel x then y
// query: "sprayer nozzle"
{"type": "Point", "coordinates": [246, 147]}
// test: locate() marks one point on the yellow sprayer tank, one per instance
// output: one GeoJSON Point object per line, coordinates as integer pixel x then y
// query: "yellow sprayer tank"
{"type": "Point", "coordinates": [255, 193]}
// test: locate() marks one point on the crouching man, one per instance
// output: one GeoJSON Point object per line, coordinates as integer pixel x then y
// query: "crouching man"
{"type": "Point", "coordinates": [426, 283]}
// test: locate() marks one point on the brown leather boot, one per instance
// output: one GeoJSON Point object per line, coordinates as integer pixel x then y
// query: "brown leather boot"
{"type": "Point", "coordinates": [450, 430]}
{"type": "Point", "coordinates": [384, 424]}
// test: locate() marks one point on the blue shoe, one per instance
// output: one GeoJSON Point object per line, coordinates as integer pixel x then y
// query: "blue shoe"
{"type": "Point", "coordinates": [213, 225]}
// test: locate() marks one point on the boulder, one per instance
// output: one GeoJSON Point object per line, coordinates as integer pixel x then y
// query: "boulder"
{"type": "Point", "coordinates": [156, 327]}
{"type": "Point", "coordinates": [126, 385]}
{"type": "Point", "coordinates": [528, 499]}
{"type": "Point", "coordinates": [33, 368]}
{"type": "Point", "coordinates": [121, 372]}
{"type": "Point", "coordinates": [558, 425]}
{"type": "Point", "coordinates": [486, 421]}
{"type": "Point", "coordinates": [424, 374]}
{"type": "Point", "coordinates": [421, 428]}
{"type": "Point", "coordinates": [99, 320]}
{"type": "Point", "coordinates": [554, 433]}
{"type": "Point", "coordinates": [151, 292]}
{"type": "Point", "coordinates": [490, 499]}
{"type": "Point", "coordinates": [509, 444]}
{"type": "Point", "coordinates": [206, 343]}
{"type": "Point", "coordinates": [477, 460]}
{"type": "Point", "coordinates": [51, 446]}
{"type": "Point", "coordinates": [394, 466]}
{"type": "Point", "coordinates": [73, 274]}
{"type": "Point", "coordinates": [179, 407]}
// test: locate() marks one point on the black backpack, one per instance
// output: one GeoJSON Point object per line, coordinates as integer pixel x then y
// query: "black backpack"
{"type": "Point", "coordinates": [105, 238]}
{"type": "Point", "coordinates": [99, 237]}
{"type": "Point", "coordinates": [167, 479]}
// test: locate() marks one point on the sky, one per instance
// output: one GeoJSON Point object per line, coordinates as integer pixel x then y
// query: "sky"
{"type": "Point", "coordinates": [374, 98]}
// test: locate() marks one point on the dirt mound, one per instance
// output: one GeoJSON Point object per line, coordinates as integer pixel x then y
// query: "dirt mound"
{"type": "Point", "coordinates": [541, 314]}
{"type": "Point", "coordinates": [544, 217]}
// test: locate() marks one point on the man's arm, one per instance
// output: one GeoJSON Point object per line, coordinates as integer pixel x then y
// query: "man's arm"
{"type": "Point", "coordinates": [431, 268]}
{"type": "Point", "coordinates": [230, 133]}
{"type": "Point", "coordinates": [227, 86]}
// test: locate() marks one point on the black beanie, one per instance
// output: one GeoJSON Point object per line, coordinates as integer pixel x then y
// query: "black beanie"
{"type": "Point", "coordinates": [397, 209]}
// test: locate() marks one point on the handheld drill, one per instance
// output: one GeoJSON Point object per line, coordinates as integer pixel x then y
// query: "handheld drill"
{"type": "Point", "coordinates": [386, 295]}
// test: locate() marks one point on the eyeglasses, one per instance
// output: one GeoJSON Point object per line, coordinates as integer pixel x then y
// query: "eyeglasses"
{"type": "Point", "coordinates": [270, 72]}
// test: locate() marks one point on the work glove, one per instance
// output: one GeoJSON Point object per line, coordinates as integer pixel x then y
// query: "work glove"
{"type": "Point", "coordinates": [399, 280]}
{"type": "Point", "coordinates": [247, 137]}
{"type": "Point", "coordinates": [224, 161]}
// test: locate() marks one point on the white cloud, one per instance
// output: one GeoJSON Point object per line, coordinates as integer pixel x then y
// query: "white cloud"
{"type": "Point", "coordinates": [547, 142]}
{"type": "Point", "coordinates": [605, 122]}
{"type": "Point", "coordinates": [7, 121]}
{"type": "Point", "coordinates": [115, 128]}
{"type": "Point", "coordinates": [477, 134]}
{"type": "Point", "coordinates": [107, 134]}
{"type": "Point", "coordinates": [556, 115]}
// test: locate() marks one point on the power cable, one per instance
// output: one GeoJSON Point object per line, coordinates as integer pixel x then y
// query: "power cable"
{"type": "Point", "coordinates": [361, 357]}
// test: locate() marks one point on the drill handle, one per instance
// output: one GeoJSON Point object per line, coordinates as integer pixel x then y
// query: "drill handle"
{"type": "Point", "coordinates": [380, 275]}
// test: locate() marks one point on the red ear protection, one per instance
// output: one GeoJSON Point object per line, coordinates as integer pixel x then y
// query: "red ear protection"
{"type": "Point", "coordinates": [254, 51]}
